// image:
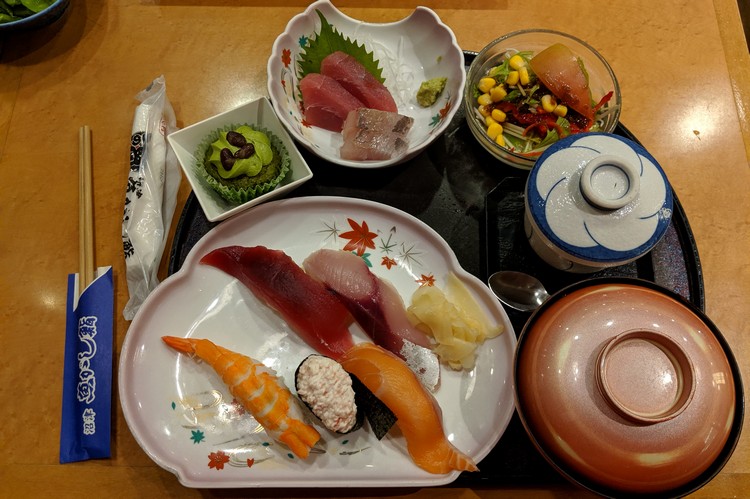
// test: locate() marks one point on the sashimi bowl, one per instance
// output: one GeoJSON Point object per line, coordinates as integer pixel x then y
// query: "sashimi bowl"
{"type": "Point", "coordinates": [527, 89]}
{"type": "Point", "coordinates": [403, 54]}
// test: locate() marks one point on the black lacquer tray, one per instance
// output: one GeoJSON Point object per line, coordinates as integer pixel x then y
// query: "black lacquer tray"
{"type": "Point", "coordinates": [475, 202]}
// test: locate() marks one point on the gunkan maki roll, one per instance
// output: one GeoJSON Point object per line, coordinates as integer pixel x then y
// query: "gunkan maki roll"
{"type": "Point", "coordinates": [338, 399]}
{"type": "Point", "coordinates": [326, 389]}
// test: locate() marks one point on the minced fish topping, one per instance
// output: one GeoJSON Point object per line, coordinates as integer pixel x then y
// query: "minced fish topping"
{"type": "Point", "coordinates": [327, 389]}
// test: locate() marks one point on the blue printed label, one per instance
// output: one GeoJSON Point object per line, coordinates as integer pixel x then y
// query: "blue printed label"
{"type": "Point", "coordinates": [87, 382]}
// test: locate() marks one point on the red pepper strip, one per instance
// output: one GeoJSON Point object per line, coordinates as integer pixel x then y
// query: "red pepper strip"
{"type": "Point", "coordinates": [543, 124]}
{"type": "Point", "coordinates": [603, 101]}
{"type": "Point", "coordinates": [530, 154]}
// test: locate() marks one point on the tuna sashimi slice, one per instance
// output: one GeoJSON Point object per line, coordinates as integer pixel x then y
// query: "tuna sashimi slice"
{"type": "Point", "coordinates": [326, 102]}
{"type": "Point", "coordinates": [315, 314]}
{"type": "Point", "coordinates": [378, 309]}
{"type": "Point", "coordinates": [354, 77]}
{"type": "Point", "coordinates": [370, 134]}
{"type": "Point", "coordinates": [418, 415]}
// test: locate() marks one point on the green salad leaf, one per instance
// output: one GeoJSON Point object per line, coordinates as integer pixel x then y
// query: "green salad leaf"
{"type": "Point", "coordinates": [328, 41]}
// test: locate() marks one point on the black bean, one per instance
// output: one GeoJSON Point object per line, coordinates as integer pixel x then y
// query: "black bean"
{"type": "Point", "coordinates": [227, 160]}
{"type": "Point", "coordinates": [236, 139]}
{"type": "Point", "coordinates": [245, 151]}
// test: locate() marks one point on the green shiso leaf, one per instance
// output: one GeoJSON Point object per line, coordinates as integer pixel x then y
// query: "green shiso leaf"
{"type": "Point", "coordinates": [328, 41]}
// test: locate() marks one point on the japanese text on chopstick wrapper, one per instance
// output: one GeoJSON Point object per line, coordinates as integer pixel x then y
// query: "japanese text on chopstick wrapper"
{"type": "Point", "coordinates": [87, 377]}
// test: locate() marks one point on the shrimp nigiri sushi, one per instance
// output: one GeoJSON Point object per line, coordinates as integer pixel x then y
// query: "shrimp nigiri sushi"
{"type": "Point", "coordinates": [259, 391]}
{"type": "Point", "coordinates": [418, 415]}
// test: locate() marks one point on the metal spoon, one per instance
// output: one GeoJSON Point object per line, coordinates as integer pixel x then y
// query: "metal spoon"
{"type": "Point", "coordinates": [518, 290]}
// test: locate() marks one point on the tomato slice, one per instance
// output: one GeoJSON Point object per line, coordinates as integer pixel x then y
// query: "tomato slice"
{"type": "Point", "coordinates": [563, 73]}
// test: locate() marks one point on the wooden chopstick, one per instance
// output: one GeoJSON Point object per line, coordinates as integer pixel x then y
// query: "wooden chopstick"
{"type": "Point", "coordinates": [85, 209]}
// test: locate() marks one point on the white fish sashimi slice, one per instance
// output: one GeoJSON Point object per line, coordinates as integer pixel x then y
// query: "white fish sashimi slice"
{"type": "Point", "coordinates": [370, 134]}
{"type": "Point", "coordinates": [378, 309]}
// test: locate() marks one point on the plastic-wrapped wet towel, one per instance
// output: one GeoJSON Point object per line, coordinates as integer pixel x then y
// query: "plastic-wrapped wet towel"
{"type": "Point", "coordinates": [87, 377]}
{"type": "Point", "coordinates": [151, 193]}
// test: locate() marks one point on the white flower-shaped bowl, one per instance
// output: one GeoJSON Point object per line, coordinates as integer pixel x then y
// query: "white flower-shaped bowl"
{"type": "Point", "coordinates": [596, 200]}
{"type": "Point", "coordinates": [186, 142]}
{"type": "Point", "coordinates": [410, 51]}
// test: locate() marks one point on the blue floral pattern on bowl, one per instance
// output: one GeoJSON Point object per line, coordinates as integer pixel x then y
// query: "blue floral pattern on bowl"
{"type": "Point", "coordinates": [584, 235]}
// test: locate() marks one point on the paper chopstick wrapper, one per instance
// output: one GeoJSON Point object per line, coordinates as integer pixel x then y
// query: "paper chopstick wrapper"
{"type": "Point", "coordinates": [151, 194]}
{"type": "Point", "coordinates": [85, 432]}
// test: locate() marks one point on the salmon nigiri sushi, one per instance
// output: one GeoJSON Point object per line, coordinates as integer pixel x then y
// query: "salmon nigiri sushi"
{"type": "Point", "coordinates": [418, 415]}
{"type": "Point", "coordinates": [258, 389]}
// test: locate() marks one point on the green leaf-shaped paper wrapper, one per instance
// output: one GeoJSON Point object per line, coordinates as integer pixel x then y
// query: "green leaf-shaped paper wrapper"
{"type": "Point", "coordinates": [242, 189]}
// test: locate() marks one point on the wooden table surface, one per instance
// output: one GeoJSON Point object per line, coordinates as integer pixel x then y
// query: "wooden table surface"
{"type": "Point", "coordinates": [683, 67]}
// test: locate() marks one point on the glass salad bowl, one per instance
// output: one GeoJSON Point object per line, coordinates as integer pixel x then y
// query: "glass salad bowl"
{"type": "Point", "coordinates": [529, 121]}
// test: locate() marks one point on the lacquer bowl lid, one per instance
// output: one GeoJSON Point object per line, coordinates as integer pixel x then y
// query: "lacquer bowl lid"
{"type": "Point", "coordinates": [626, 388]}
{"type": "Point", "coordinates": [599, 199]}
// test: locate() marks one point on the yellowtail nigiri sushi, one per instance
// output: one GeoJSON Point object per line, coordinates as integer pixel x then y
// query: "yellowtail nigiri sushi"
{"type": "Point", "coordinates": [377, 306]}
{"type": "Point", "coordinates": [259, 391]}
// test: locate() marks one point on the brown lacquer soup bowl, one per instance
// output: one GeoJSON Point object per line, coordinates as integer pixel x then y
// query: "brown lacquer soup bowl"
{"type": "Point", "coordinates": [628, 389]}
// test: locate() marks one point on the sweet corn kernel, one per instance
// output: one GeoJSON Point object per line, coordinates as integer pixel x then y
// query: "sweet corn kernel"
{"type": "Point", "coordinates": [500, 140]}
{"type": "Point", "coordinates": [498, 115]}
{"type": "Point", "coordinates": [523, 75]}
{"type": "Point", "coordinates": [484, 110]}
{"type": "Point", "coordinates": [560, 110]}
{"type": "Point", "coordinates": [516, 62]}
{"type": "Point", "coordinates": [489, 120]}
{"type": "Point", "coordinates": [498, 93]}
{"type": "Point", "coordinates": [494, 130]}
{"type": "Point", "coordinates": [512, 78]}
{"type": "Point", "coordinates": [486, 84]}
{"type": "Point", "coordinates": [548, 103]}
{"type": "Point", "coordinates": [484, 100]}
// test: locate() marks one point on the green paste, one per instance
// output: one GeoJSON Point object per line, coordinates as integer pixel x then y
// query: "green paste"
{"type": "Point", "coordinates": [430, 90]}
{"type": "Point", "coordinates": [263, 166]}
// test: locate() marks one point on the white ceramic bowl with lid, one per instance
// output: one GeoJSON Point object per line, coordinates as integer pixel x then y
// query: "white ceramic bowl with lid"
{"type": "Point", "coordinates": [595, 200]}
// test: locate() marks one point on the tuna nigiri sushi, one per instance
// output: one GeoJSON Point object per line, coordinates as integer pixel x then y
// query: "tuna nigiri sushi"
{"type": "Point", "coordinates": [317, 316]}
{"type": "Point", "coordinates": [377, 307]}
{"type": "Point", "coordinates": [370, 134]}
{"type": "Point", "coordinates": [419, 416]}
{"type": "Point", "coordinates": [326, 102]}
{"type": "Point", "coordinates": [358, 81]}
{"type": "Point", "coordinates": [259, 391]}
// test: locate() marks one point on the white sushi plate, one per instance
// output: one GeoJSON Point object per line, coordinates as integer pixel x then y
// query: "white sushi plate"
{"type": "Point", "coordinates": [181, 413]}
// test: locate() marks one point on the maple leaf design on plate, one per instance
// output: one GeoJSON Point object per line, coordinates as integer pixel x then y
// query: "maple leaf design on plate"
{"type": "Point", "coordinates": [388, 262]}
{"type": "Point", "coordinates": [197, 436]}
{"type": "Point", "coordinates": [426, 280]}
{"type": "Point", "coordinates": [360, 238]}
